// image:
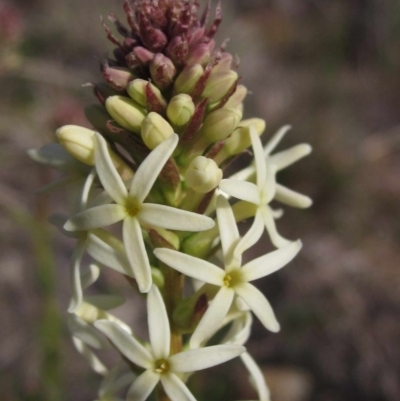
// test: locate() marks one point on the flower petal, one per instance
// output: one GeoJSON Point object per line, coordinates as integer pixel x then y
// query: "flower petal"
{"type": "Point", "coordinates": [270, 184]}
{"type": "Point", "coordinates": [289, 156]}
{"type": "Point", "coordinates": [143, 386]}
{"type": "Point", "coordinates": [271, 262]}
{"type": "Point", "coordinates": [257, 377]}
{"type": "Point", "coordinates": [269, 222]}
{"type": "Point", "coordinates": [175, 388]}
{"type": "Point", "coordinates": [105, 253]}
{"type": "Point", "coordinates": [87, 186]}
{"type": "Point", "coordinates": [203, 358]}
{"type": "Point", "coordinates": [75, 276]}
{"type": "Point", "coordinates": [228, 229]}
{"type": "Point", "coordinates": [274, 141]}
{"type": "Point", "coordinates": [93, 361]}
{"type": "Point", "coordinates": [172, 218]}
{"type": "Point", "coordinates": [151, 167]}
{"type": "Point", "coordinates": [96, 217]}
{"type": "Point", "coordinates": [136, 252]}
{"type": "Point", "coordinates": [159, 329]}
{"type": "Point", "coordinates": [259, 305]}
{"type": "Point", "coordinates": [86, 333]}
{"type": "Point", "coordinates": [252, 236]}
{"type": "Point", "coordinates": [292, 198]}
{"type": "Point", "coordinates": [259, 159]}
{"type": "Point", "coordinates": [191, 266]}
{"type": "Point", "coordinates": [214, 315]}
{"type": "Point", "coordinates": [58, 220]}
{"type": "Point", "coordinates": [108, 174]}
{"type": "Point", "coordinates": [126, 343]}
{"type": "Point", "coordinates": [241, 190]}
{"type": "Point", "coordinates": [90, 275]}
{"type": "Point", "coordinates": [240, 329]}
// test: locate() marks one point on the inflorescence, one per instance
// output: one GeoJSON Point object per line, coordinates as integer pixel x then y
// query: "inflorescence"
{"type": "Point", "coordinates": [167, 124]}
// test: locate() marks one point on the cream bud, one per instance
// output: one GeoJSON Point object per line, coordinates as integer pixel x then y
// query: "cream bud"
{"type": "Point", "coordinates": [240, 138]}
{"type": "Point", "coordinates": [219, 124]}
{"type": "Point", "coordinates": [79, 143]}
{"type": "Point", "coordinates": [219, 84]}
{"type": "Point", "coordinates": [155, 130]}
{"type": "Point", "coordinates": [137, 91]}
{"type": "Point", "coordinates": [203, 175]}
{"type": "Point", "coordinates": [180, 109]}
{"type": "Point", "coordinates": [188, 79]}
{"type": "Point", "coordinates": [126, 112]}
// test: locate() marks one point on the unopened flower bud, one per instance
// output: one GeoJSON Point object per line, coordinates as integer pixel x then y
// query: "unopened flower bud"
{"type": "Point", "coordinates": [195, 35]}
{"type": "Point", "coordinates": [188, 79]}
{"type": "Point", "coordinates": [180, 109]}
{"type": "Point", "coordinates": [200, 54]}
{"type": "Point", "coordinates": [219, 84]}
{"type": "Point", "coordinates": [143, 55]}
{"type": "Point", "coordinates": [155, 130]}
{"type": "Point", "coordinates": [203, 175]}
{"type": "Point", "coordinates": [224, 63]}
{"type": "Point", "coordinates": [117, 77]}
{"type": "Point", "coordinates": [219, 124]}
{"type": "Point", "coordinates": [152, 38]}
{"type": "Point", "coordinates": [127, 113]}
{"type": "Point", "coordinates": [162, 71]}
{"type": "Point", "coordinates": [240, 138]}
{"type": "Point", "coordinates": [137, 91]}
{"type": "Point", "coordinates": [79, 143]}
{"type": "Point", "coordinates": [237, 98]}
{"type": "Point", "coordinates": [178, 49]}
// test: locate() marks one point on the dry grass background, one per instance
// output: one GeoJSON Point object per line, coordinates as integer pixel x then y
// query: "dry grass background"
{"type": "Point", "coordinates": [331, 69]}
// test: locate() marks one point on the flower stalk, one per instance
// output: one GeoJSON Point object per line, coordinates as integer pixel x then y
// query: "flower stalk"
{"type": "Point", "coordinates": [165, 127]}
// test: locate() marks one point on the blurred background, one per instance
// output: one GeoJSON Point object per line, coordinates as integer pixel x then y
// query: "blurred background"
{"type": "Point", "coordinates": [329, 68]}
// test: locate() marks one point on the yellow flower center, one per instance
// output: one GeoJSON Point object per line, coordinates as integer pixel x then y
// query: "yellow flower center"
{"type": "Point", "coordinates": [161, 366]}
{"type": "Point", "coordinates": [232, 278]}
{"type": "Point", "coordinates": [132, 206]}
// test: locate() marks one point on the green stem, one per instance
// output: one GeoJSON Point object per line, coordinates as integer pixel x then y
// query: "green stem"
{"type": "Point", "coordinates": [173, 291]}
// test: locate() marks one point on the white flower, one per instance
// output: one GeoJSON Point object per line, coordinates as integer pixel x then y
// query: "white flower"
{"type": "Point", "coordinates": [132, 210]}
{"type": "Point", "coordinates": [281, 160]}
{"type": "Point", "coordinates": [239, 333]}
{"type": "Point", "coordinates": [102, 246]}
{"type": "Point", "coordinates": [159, 365]}
{"type": "Point", "coordinates": [260, 194]}
{"type": "Point", "coordinates": [85, 337]}
{"type": "Point", "coordinates": [234, 279]}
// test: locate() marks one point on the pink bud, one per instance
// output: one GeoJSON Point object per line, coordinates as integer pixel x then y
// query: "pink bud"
{"type": "Point", "coordinates": [200, 54]}
{"type": "Point", "coordinates": [195, 35]}
{"type": "Point", "coordinates": [178, 49]}
{"type": "Point", "coordinates": [152, 38]}
{"type": "Point", "coordinates": [117, 77]}
{"type": "Point", "coordinates": [143, 55]}
{"type": "Point", "coordinates": [162, 71]}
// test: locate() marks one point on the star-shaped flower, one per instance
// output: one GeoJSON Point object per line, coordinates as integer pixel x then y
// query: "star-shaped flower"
{"type": "Point", "coordinates": [102, 246]}
{"type": "Point", "coordinates": [260, 194]}
{"type": "Point", "coordinates": [234, 279]}
{"type": "Point", "coordinates": [130, 206]}
{"type": "Point", "coordinates": [239, 333]}
{"type": "Point", "coordinates": [281, 160]}
{"type": "Point", "coordinates": [158, 363]}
